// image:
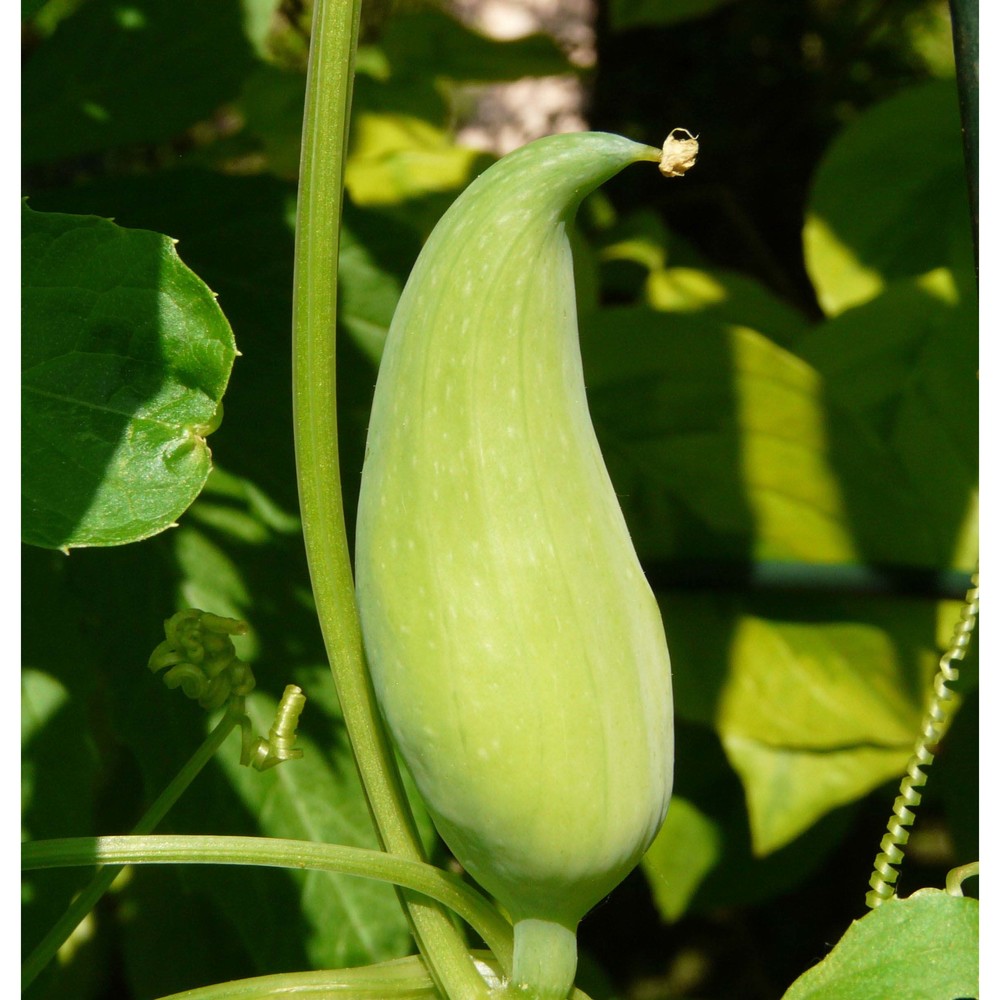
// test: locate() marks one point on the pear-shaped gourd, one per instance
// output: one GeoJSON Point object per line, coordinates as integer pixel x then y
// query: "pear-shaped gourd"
{"type": "Point", "coordinates": [516, 649]}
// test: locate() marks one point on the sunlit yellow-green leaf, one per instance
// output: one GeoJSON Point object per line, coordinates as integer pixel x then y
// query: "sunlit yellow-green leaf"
{"type": "Point", "coordinates": [709, 426]}
{"type": "Point", "coordinates": [395, 157]}
{"type": "Point", "coordinates": [685, 850]}
{"type": "Point", "coordinates": [812, 716]}
{"type": "Point", "coordinates": [814, 705]}
{"type": "Point", "coordinates": [726, 296]}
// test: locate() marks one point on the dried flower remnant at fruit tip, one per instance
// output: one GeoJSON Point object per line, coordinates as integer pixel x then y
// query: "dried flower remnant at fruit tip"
{"type": "Point", "coordinates": [679, 154]}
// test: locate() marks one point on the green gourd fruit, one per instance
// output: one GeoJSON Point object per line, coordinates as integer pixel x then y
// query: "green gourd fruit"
{"type": "Point", "coordinates": [515, 647]}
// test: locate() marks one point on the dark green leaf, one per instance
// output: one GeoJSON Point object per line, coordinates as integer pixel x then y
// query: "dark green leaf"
{"type": "Point", "coordinates": [341, 921]}
{"type": "Point", "coordinates": [626, 14]}
{"type": "Point", "coordinates": [375, 254]}
{"type": "Point", "coordinates": [172, 937]}
{"type": "Point", "coordinates": [430, 42]}
{"type": "Point", "coordinates": [925, 947]}
{"type": "Point", "coordinates": [237, 233]}
{"type": "Point", "coordinates": [29, 8]}
{"type": "Point", "coordinates": [136, 72]}
{"type": "Point", "coordinates": [272, 102]}
{"type": "Point", "coordinates": [889, 199]}
{"type": "Point", "coordinates": [726, 297]}
{"type": "Point", "coordinates": [720, 443]}
{"type": "Point", "coordinates": [907, 361]}
{"type": "Point", "coordinates": [126, 356]}
{"type": "Point", "coordinates": [319, 798]}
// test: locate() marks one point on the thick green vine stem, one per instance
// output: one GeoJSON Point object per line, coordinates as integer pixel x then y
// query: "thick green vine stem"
{"type": "Point", "coordinates": [329, 82]}
{"type": "Point", "coordinates": [399, 979]}
{"type": "Point", "coordinates": [430, 882]}
{"type": "Point", "coordinates": [934, 725]}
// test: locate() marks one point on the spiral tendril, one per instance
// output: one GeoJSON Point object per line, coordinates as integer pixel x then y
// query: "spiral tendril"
{"type": "Point", "coordinates": [279, 746]}
{"type": "Point", "coordinates": [933, 727]}
{"type": "Point", "coordinates": [199, 657]}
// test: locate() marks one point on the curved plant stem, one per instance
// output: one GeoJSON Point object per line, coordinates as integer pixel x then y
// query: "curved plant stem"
{"type": "Point", "coordinates": [89, 896]}
{"type": "Point", "coordinates": [317, 243]}
{"type": "Point", "coordinates": [402, 979]}
{"type": "Point", "coordinates": [399, 979]}
{"type": "Point", "coordinates": [274, 852]}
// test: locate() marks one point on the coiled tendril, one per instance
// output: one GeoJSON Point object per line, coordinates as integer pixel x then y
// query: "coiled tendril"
{"type": "Point", "coordinates": [934, 724]}
{"type": "Point", "coordinates": [200, 658]}
{"type": "Point", "coordinates": [263, 754]}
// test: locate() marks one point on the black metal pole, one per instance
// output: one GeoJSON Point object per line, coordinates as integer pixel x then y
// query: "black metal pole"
{"type": "Point", "coordinates": [965, 35]}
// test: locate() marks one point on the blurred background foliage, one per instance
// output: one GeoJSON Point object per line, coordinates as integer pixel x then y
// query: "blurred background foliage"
{"type": "Point", "coordinates": [781, 356]}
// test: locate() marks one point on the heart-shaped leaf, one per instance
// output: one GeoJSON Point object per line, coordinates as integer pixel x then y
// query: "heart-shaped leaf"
{"type": "Point", "coordinates": [125, 359]}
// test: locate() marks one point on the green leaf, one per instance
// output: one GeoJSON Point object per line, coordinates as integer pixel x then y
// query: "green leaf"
{"type": "Point", "coordinates": [152, 936]}
{"type": "Point", "coordinates": [727, 297]}
{"type": "Point", "coordinates": [316, 798]}
{"type": "Point", "coordinates": [113, 74]}
{"type": "Point", "coordinates": [337, 920]}
{"type": "Point", "coordinates": [907, 361]}
{"type": "Point", "coordinates": [395, 157]}
{"type": "Point", "coordinates": [62, 766]}
{"type": "Point", "coordinates": [29, 8]}
{"type": "Point", "coordinates": [815, 702]}
{"type": "Point", "coordinates": [627, 14]}
{"type": "Point", "coordinates": [375, 256]}
{"type": "Point", "coordinates": [924, 947]}
{"type": "Point", "coordinates": [238, 508]}
{"type": "Point", "coordinates": [812, 717]}
{"type": "Point", "coordinates": [271, 102]}
{"type": "Point", "coordinates": [687, 847]}
{"type": "Point", "coordinates": [721, 443]}
{"type": "Point", "coordinates": [237, 234]}
{"type": "Point", "coordinates": [868, 354]}
{"type": "Point", "coordinates": [889, 199]}
{"type": "Point", "coordinates": [126, 357]}
{"type": "Point", "coordinates": [429, 42]}
{"type": "Point", "coordinates": [737, 876]}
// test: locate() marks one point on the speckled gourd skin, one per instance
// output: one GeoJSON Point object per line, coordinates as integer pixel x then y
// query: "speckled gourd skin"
{"type": "Point", "coordinates": [515, 646]}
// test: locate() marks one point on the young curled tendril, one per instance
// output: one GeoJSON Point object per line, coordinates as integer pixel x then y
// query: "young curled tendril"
{"type": "Point", "coordinates": [199, 657]}
{"type": "Point", "coordinates": [935, 723]}
{"type": "Point", "coordinates": [279, 745]}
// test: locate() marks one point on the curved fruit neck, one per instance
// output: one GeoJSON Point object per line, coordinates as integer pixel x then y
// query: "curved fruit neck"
{"type": "Point", "coordinates": [489, 306]}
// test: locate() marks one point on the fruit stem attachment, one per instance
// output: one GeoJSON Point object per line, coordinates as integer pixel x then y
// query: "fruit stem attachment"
{"type": "Point", "coordinates": [544, 959]}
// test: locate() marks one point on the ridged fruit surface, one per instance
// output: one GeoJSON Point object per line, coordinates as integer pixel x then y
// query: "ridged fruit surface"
{"type": "Point", "coordinates": [515, 646]}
